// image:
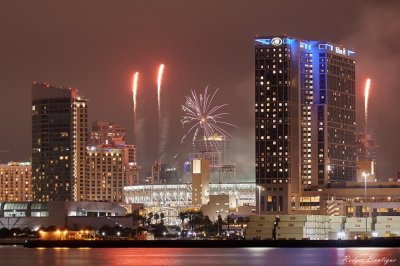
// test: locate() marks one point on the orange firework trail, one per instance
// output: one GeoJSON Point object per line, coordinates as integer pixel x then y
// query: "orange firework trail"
{"type": "Point", "coordinates": [366, 97]}
{"type": "Point", "coordinates": [159, 80]}
{"type": "Point", "coordinates": [134, 90]}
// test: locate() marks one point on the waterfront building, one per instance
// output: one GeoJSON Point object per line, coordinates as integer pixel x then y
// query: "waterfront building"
{"type": "Point", "coordinates": [59, 137]}
{"type": "Point", "coordinates": [16, 181]}
{"type": "Point", "coordinates": [73, 214]}
{"type": "Point", "coordinates": [352, 199]}
{"type": "Point", "coordinates": [108, 170]}
{"type": "Point", "coordinates": [110, 164]}
{"type": "Point", "coordinates": [305, 118]}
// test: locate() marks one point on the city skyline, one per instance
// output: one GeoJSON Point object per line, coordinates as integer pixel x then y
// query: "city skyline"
{"type": "Point", "coordinates": [233, 132]}
{"type": "Point", "coordinates": [99, 60]}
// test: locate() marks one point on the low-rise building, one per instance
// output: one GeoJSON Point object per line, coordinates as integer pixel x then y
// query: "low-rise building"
{"type": "Point", "coordinates": [16, 181]}
{"type": "Point", "coordinates": [260, 227]}
{"type": "Point", "coordinates": [351, 199]}
{"type": "Point", "coordinates": [61, 214]}
{"type": "Point", "coordinates": [219, 205]}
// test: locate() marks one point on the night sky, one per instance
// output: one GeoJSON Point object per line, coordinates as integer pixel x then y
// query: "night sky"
{"type": "Point", "coordinates": [95, 46]}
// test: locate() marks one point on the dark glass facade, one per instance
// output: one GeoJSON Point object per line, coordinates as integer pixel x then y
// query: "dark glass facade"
{"type": "Point", "coordinates": [305, 116]}
{"type": "Point", "coordinates": [273, 104]}
{"type": "Point", "coordinates": [55, 151]}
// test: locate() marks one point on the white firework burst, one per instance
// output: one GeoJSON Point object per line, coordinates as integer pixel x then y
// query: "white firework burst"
{"type": "Point", "coordinates": [203, 118]}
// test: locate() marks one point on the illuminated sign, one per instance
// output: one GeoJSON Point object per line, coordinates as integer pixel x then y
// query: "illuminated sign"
{"type": "Point", "coordinates": [276, 41]}
{"type": "Point", "coordinates": [264, 41]}
{"type": "Point", "coordinates": [305, 46]}
{"type": "Point", "coordinates": [336, 49]}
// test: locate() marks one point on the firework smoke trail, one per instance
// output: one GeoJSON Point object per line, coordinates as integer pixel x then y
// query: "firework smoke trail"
{"type": "Point", "coordinates": [159, 80]}
{"type": "Point", "coordinates": [163, 116]}
{"type": "Point", "coordinates": [366, 97]}
{"type": "Point", "coordinates": [203, 118]}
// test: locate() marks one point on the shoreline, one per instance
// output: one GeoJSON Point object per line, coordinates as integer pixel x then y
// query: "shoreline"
{"type": "Point", "coordinates": [208, 243]}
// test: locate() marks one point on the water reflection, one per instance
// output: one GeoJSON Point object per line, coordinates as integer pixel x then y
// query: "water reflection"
{"type": "Point", "coordinates": [199, 256]}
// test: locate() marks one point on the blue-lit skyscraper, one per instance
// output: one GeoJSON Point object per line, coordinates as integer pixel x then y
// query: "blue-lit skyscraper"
{"type": "Point", "coordinates": [305, 119]}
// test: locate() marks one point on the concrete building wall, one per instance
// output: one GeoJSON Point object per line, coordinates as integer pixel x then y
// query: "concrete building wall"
{"type": "Point", "coordinates": [60, 213]}
{"type": "Point", "coordinates": [219, 205]}
{"type": "Point", "coordinates": [15, 181]}
{"type": "Point", "coordinates": [200, 182]}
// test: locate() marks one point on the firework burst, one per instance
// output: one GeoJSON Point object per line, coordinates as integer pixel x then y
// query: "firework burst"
{"type": "Point", "coordinates": [204, 119]}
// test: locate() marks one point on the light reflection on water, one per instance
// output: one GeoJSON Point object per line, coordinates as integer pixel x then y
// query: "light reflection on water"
{"type": "Point", "coordinates": [198, 256]}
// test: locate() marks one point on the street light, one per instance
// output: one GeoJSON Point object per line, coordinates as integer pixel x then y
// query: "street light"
{"type": "Point", "coordinates": [366, 205]}
{"type": "Point", "coordinates": [259, 198]}
{"type": "Point", "coordinates": [217, 212]}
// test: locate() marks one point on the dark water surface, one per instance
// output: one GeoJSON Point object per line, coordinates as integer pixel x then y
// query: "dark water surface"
{"type": "Point", "coordinates": [17, 255]}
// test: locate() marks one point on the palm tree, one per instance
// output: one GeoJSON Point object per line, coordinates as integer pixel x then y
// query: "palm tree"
{"type": "Point", "coordinates": [183, 216]}
{"type": "Point", "coordinates": [150, 215]}
{"type": "Point", "coordinates": [219, 224]}
{"type": "Point", "coordinates": [229, 220]}
{"type": "Point", "coordinates": [207, 222]}
{"type": "Point", "coordinates": [156, 217]}
{"type": "Point", "coordinates": [162, 216]}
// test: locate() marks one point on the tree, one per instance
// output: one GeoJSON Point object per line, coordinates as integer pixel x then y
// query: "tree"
{"type": "Point", "coordinates": [136, 218]}
{"type": "Point", "coordinates": [158, 230]}
{"type": "Point", "coordinates": [126, 232]}
{"type": "Point", "coordinates": [105, 230]}
{"type": "Point", "coordinates": [156, 217]}
{"type": "Point", "coordinates": [207, 224]}
{"type": "Point", "coordinates": [26, 231]}
{"type": "Point", "coordinates": [229, 220]}
{"type": "Point", "coordinates": [162, 216]}
{"type": "Point", "coordinates": [15, 232]}
{"type": "Point", "coordinates": [196, 221]}
{"type": "Point", "coordinates": [219, 223]}
{"type": "Point", "coordinates": [183, 216]}
{"type": "Point", "coordinates": [4, 232]}
{"type": "Point", "coordinates": [117, 230]}
{"type": "Point", "coordinates": [150, 217]}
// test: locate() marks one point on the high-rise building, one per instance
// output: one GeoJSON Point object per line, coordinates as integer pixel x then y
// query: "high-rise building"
{"type": "Point", "coordinates": [59, 136]}
{"type": "Point", "coordinates": [110, 164]}
{"type": "Point", "coordinates": [104, 132]}
{"type": "Point", "coordinates": [109, 169]}
{"type": "Point", "coordinates": [305, 118]}
{"type": "Point", "coordinates": [16, 181]}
